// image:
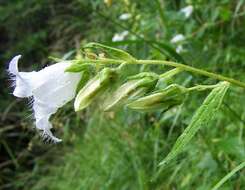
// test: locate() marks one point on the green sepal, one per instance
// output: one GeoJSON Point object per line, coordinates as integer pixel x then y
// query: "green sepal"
{"type": "Point", "coordinates": [149, 75]}
{"type": "Point", "coordinates": [77, 67]}
{"type": "Point", "coordinates": [133, 88]}
{"type": "Point", "coordinates": [160, 100]}
{"type": "Point", "coordinates": [111, 52]}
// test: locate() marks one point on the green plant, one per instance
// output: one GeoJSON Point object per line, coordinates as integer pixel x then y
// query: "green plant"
{"type": "Point", "coordinates": [138, 93]}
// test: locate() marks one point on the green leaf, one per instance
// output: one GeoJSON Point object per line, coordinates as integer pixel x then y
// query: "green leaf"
{"type": "Point", "coordinates": [162, 47]}
{"type": "Point", "coordinates": [113, 53]}
{"type": "Point", "coordinates": [203, 116]}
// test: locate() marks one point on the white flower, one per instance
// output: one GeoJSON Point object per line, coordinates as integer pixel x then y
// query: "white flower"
{"type": "Point", "coordinates": [125, 16]}
{"type": "Point", "coordinates": [179, 49]}
{"type": "Point", "coordinates": [120, 36]}
{"type": "Point", "coordinates": [50, 88]}
{"type": "Point", "coordinates": [187, 11]}
{"type": "Point", "coordinates": [177, 38]}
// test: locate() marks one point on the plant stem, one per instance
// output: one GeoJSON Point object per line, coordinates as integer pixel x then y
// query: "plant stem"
{"type": "Point", "coordinates": [172, 64]}
{"type": "Point", "coordinates": [193, 70]}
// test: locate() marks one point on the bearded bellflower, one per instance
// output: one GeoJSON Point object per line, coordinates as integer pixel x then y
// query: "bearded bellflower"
{"type": "Point", "coordinates": [49, 88]}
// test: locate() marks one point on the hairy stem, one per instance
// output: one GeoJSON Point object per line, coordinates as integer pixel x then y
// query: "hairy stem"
{"type": "Point", "coordinates": [172, 64]}
{"type": "Point", "coordinates": [192, 70]}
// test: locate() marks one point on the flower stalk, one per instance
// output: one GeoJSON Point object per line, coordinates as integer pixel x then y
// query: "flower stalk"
{"type": "Point", "coordinates": [172, 64]}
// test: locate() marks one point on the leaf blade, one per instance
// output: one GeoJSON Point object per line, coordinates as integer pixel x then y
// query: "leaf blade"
{"type": "Point", "coordinates": [202, 116]}
{"type": "Point", "coordinates": [213, 102]}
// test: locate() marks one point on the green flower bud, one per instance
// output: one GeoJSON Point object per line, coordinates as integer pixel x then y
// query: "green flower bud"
{"type": "Point", "coordinates": [136, 86]}
{"type": "Point", "coordinates": [94, 88]}
{"type": "Point", "coordinates": [160, 100]}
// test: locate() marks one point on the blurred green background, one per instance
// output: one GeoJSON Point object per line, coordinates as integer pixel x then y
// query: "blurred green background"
{"type": "Point", "coordinates": [121, 150]}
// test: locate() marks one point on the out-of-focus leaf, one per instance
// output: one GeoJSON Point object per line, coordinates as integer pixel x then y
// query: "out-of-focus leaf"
{"type": "Point", "coordinates": [164, 48]}
{"type": "Point", "coordinates": [170, 51]}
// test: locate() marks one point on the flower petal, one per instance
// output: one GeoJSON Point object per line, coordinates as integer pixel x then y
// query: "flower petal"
{"type": "Point", "coordinates": [13, 65]}
{"type": "Point", "coordinates": [51, 95]}
{"type": "Point", "coordinates": [51, 88]}
{"type": "Point", "coordinates": [45, 125]}
{"type": "Point", "coordinates": [22, 87]}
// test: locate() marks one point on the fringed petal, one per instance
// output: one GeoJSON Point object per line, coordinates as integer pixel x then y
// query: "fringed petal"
{"type": "Point", "coordinates": [21, 85]}
{"type": "Point", "coordinates": [44, 125]}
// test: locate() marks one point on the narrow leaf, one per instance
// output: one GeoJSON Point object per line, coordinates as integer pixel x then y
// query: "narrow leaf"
{"type": "Point", "coordinates": [202, 117]}
{"type": "Point", "coordinates": [228, 176]}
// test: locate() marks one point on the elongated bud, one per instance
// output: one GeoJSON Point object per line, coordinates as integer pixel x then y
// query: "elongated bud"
{"type": "Point", "coordinates": [160, 100]}
{"type": "Point", "coordinates": [93, 88]}
{"type": "Point", "coordinates": [113, 53]}
{"type": "Point", "coordinates": [136, 86]}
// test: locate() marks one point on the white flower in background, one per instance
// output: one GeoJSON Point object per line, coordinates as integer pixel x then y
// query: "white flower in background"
{"type": "Point", "coordinates": [50, 89]}
{"type": "Point", "coordinates": [187, 11]}
{"type": "Point", "coordinates": [125, 16]}
{"type": "Point", "coordinates": [179, 49]}
{"type": "Point", "coordinates": [177, 38]}
{"type": "Point", "coordinates": [120, 36]}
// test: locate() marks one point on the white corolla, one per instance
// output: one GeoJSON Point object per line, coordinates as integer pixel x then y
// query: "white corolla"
{"type": "Point", "coordinates": [49, 88]}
